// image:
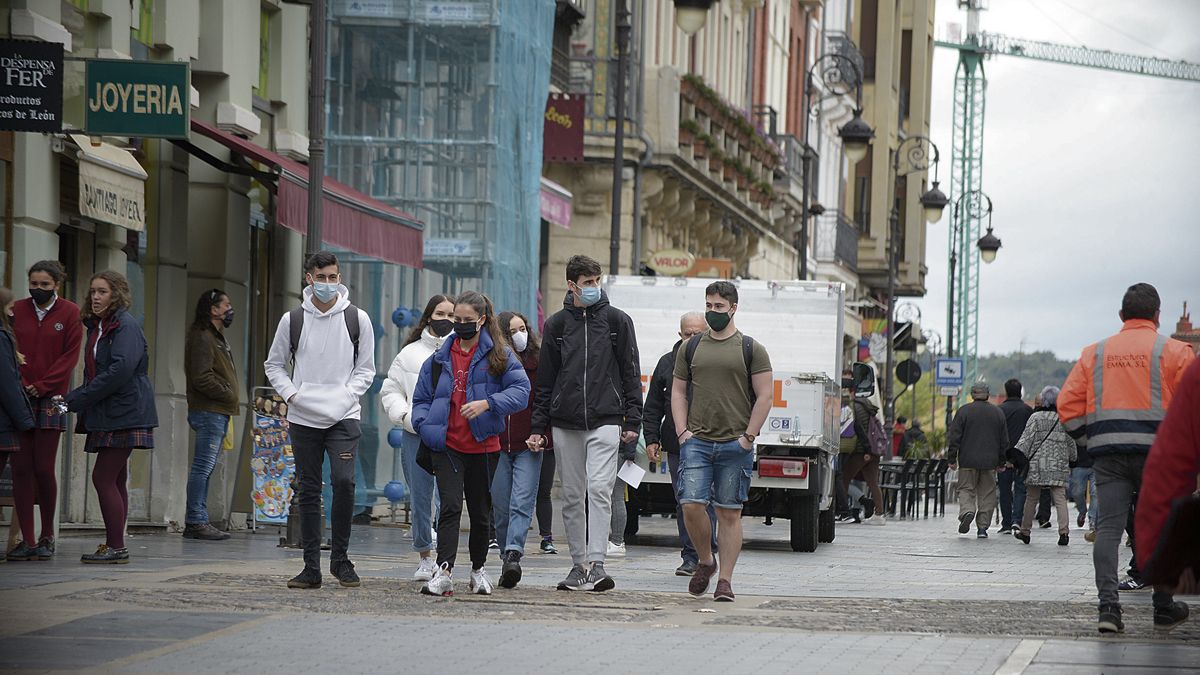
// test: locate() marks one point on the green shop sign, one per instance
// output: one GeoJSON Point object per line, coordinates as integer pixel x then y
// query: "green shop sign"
{"type": "Point", "coordinates": [146, 99]}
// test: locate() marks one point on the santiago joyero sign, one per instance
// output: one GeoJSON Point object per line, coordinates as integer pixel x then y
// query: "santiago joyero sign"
{"type": "Point", "coordinates": [146, 99]}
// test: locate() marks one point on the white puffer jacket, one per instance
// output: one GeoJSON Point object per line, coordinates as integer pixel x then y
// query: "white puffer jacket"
{"type": "Point", "coordinates": [396, 394]}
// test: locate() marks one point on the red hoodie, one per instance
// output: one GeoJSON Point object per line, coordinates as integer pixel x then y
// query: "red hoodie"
{"type": "Point", "coordinates": [50, 347]}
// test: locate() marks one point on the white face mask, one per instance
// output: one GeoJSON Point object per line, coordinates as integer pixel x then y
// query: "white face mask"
{"type": "Point", "coordinates": [520, 341]}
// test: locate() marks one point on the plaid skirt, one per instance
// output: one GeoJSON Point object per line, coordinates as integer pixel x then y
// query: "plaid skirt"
{"type": "Point", "coordinates": [46, 417]}
{"type": "Point", "coordinates": [124, 438]}
{"type": "Point", "coordinates": [8, 441]}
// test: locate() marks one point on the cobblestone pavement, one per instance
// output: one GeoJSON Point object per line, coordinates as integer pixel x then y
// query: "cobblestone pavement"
{"type": "Point", "coordinates": [911, 596]}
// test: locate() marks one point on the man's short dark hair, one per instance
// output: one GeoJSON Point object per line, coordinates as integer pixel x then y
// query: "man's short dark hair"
{"type": "Point", "coordinates": [1141, 301]}
{"type": "Point", "coordinates": [1012, 388]}
{"type": "Point", "coordinates": [580, 266]}
{"type": "Point", "coordinates": [319, 260]}
{"type": "Point", "coordinates": [724, 289]}
{"type": "Point", "coordinates": [902, 419]}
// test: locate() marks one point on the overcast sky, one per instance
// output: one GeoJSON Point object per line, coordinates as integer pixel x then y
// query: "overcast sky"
{"type": "Point", "coordinates": [1095, 176]}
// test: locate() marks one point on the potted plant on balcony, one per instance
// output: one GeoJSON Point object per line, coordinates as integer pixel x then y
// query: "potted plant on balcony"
{"type": "Point", "coordinates": [716, 159]}
{"type": "Point", "coordinates": [729, 168]}
{"type": "Point", "coordinates": [688, 131]}
{"type": "Point", "coordinates": [702, 147]}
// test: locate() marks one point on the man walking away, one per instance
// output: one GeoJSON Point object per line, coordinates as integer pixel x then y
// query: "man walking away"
{"type": "Point", "coordinates": [1016, 415]}
{"type": "Point", "coordinates": [589, 392]}
{"type": "Point", "coordinates": [730, 396]}
{"type": "Point", "coordinates": [1116, 396]}
{"type": "Point", "coordinates": [977, 442]}
{"type": "Point", "coordinates": [331, 345]}
{"type": "Point", "coordinates": [659, 429]}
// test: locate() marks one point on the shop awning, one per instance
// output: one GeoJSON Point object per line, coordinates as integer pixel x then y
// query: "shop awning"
{"type": "Point", "coordinates": [112, 185]}
{"type": "Point", "coordinates": [351, 219]}
{"type": "Point", "coordinates": [556, 203]}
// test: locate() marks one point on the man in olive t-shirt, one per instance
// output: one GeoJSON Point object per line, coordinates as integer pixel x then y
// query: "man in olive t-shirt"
{"type": "Point", "coordinates": [717, 418]}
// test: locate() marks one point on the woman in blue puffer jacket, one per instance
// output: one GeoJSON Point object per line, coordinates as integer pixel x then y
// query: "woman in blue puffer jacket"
{"type": "Point", "coordinates": [464, 393]}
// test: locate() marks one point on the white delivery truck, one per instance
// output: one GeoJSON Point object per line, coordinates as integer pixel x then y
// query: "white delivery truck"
{"type": "Point", "coordinates": [800, 324]}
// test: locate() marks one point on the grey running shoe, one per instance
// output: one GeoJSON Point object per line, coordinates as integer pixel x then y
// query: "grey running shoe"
{"type": "Point", "coordinates": [599, 580]}
{"type": "Point", "coordinates": [577, 580]}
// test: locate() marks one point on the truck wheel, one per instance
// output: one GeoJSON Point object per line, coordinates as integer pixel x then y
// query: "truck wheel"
{"type": "Point", "coordinates": [804, 523]}
{"type": "Point", "coordinates": [825, 526]}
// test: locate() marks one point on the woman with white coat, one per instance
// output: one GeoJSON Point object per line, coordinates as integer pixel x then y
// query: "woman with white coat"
{"type": "Point", "coordinates": [426, 337]}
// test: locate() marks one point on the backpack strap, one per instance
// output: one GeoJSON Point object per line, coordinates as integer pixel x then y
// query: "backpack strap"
{"type": "Point", "coordinates": [689, 352]}
{"type": "Point", "coordinates": [748, 357]}
{"type": "Point", "coordinates": [296, 326]}
{"type": "Point", "coordinates": [352, 327]}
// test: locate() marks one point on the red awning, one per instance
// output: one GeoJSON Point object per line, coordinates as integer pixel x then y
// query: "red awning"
{"type": "Point", "coordinates": [351, 219]}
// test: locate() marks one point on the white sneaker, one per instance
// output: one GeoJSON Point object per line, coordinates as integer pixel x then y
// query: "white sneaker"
{"type": "Point", "coordinates": [426, 570]}
{"type": "Point", "coordinates": [441, 583]}
{"type": "Point", "coordinates": [877, 519]}
{"type": "Point", "coordinates": [615, 550]}
{"type": "Point", "coordinates": [480, 584]}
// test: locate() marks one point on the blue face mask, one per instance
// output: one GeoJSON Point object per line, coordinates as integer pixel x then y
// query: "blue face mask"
{"type": "Point", "coordinates": [325, 292]}
{"type": "Point", "coordinates": [588, 296]}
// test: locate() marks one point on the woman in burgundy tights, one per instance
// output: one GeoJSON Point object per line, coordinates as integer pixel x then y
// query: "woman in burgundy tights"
{"type": "Point", "coordinates": [115, 405]}
{"type": "Point", "coordinates": [15, 414]}
{"type": "Point", "coordinates": [49, 333]}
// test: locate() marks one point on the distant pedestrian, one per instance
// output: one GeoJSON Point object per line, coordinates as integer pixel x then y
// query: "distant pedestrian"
{"type": "Point", "coordinates": [898, 429]}
{"type": "Point", "coordinates": [396, 395]}
{"type": "Point", "coordinates": [620, 498]}
{"type": "Point", "coordinates": [589, 392]}
{"type": "Point", "coordinates": [865, 458]}
{"type": "Point", "coordinates": [1083, 482]}
{"type": "Point", "coordinates": [1050, 452]}
{"type": "Point", "coordinates": [49, 334]}
{"type": "Point", "coordinates": [115, 405]}
{"type": "Point", "coordinates": [719, 402]}
{"type": "Point", "coordinates": [331, 345]}
{"type": "Point", "coordinates": [659, 429]}
{"type": "Point", "coordinates": [977, 441]}
{"type": "Point", "coordinates": [1113, 401]}
{"type": "Point", "coordinates": [16, 415]}
{"type": "Point", "coordinates": [915, 439]}
{"type": "Point", "coordinates": [464, 393]}
{"type": "Point", "coordinates": [212, 393]}
{"type": "Point", "coordinates": [1012, 488]}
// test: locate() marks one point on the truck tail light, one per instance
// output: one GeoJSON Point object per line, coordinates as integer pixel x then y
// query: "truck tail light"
{"type": "Point", "coordinates": [770, 467]}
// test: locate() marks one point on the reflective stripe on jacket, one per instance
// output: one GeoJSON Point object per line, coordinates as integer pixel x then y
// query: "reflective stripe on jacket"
{"type": "Point", "coordinates": [1120, 388]}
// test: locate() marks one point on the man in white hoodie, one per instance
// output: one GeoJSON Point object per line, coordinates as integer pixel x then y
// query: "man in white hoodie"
{"type": "Point", "coordinates": [331, 345]}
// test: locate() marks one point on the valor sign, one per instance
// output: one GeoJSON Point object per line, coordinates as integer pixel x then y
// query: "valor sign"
{"type": "Point", "coordinates": [146, 99]}
{"type": "Point", "coordinates": [30, 86]}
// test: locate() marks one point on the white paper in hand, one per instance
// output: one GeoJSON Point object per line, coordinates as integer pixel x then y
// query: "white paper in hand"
{"type": "Point", "coordinates": [631, 473]}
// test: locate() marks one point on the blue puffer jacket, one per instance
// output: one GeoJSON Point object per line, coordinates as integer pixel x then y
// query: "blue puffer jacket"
{"type": "Point", "coordinates": [506, 395]}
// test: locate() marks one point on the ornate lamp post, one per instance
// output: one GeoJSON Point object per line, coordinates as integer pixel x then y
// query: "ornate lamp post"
{"type": "Point", "coordinates": [977, 204]}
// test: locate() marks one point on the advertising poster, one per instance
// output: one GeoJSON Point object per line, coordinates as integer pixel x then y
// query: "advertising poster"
{"type": "Point", "coordinates": [271, 462]}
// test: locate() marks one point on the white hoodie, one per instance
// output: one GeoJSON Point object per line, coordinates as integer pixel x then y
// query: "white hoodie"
{"type": "Point", "coordinates": [401, 381]}
{"type": "Point", "coordinates": [325, 382]}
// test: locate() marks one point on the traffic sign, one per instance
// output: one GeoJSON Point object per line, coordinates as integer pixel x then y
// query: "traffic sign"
{"type": "Point", "coordinates": [908, 372]}
{"type": "Point", "coordinates": [948, 373]}
{"type": "Point", "coordinates": [949, 391]}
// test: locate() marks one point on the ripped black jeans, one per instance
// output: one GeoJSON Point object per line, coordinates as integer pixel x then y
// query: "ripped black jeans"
{"type": "Point", "coordinates": [309, 446]}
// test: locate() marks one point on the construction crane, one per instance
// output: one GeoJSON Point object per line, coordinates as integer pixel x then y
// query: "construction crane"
{"type": "Point", "coordinates": [966, 176]}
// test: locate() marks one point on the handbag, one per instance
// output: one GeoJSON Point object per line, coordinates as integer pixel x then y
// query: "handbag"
{"type": "Point", "coordinates": [424, 452]}
{"type": "Point", "coordinates": [1018, 459]}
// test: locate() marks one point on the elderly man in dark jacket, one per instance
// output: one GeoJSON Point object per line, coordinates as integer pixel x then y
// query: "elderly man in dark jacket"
{"type": "Point", "coordinates": [977, 442]}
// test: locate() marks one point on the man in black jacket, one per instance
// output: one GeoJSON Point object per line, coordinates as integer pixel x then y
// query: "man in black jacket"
{"type": "Point", "coordinates": [659, 429]}
{"type": "Point", "coordinates": [589, 392]}
{"type": "Point", "coordinates": [1012, 486]}
{"type": "Point", "coordinates": [977, 440]}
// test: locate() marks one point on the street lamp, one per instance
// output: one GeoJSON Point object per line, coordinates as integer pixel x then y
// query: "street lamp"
{"type": "Point", "coordinates": [988, 244]}
{"type": "Point", "coordinates": [977, 204]}
{"type": "Point", "coordinates": [624, 29]}
{"type": "Point", "coordinates": [691, 15]}
{"type": "Point", "coordinates": [856, 137]}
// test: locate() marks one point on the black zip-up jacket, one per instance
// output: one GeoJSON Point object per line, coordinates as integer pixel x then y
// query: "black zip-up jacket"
{"type": "Point", "coordinates": [659, 425]}
{"type": "Point", "coordinates": [1016, 416]}
{"type": "Point", "coordinates": [588, 376]}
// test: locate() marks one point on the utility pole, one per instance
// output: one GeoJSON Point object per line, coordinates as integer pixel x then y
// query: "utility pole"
{"type": "Point", "coordinates": [624, 29]}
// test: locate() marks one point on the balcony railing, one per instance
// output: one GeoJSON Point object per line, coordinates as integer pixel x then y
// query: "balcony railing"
{"type": "Point", "coordinates": [837, 240]}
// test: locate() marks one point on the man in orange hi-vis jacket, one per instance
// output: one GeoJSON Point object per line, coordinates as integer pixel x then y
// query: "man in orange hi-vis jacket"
{"type": "Point", "coordinates": [1112, 403]}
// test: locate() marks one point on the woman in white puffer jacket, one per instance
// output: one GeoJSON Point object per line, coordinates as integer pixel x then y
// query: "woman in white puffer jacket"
{"type": "Point", "coordinates": [396, 395]}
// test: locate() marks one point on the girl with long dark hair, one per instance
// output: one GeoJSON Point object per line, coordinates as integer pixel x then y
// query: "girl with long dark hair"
{"type": "Point", "coordinates": [464, 393]}
{"type": "Point", "coordinates": [396, 396]}
{"type": "Point", "coordinates": [50, 333]}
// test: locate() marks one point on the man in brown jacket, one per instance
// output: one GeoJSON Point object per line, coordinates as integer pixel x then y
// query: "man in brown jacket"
{"type": "Point", "coordinates": [212, 400]}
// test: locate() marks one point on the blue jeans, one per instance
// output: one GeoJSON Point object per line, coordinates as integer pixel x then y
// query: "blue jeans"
{"type": "Point", "coordinates": [210, 431]}
{"type": "Point", "coordinates": [1083, 482]}
{"type": "Point", "coordinates": [688, 550]}
{"type": "Point", "coordinates": [714, 473]}
{"type": "Point", "coordinates": [514, 494]}
{"type": "Point", "coordinates": [420, 493]}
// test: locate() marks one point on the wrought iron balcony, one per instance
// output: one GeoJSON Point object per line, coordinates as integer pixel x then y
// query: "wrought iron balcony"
{"type": "Point", "coordinates": [837, 240]}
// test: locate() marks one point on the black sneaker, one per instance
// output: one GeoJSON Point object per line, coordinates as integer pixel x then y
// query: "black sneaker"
{"type": "Point", "coordinates": [1021, 536]}
{"type": "Point", "coordinates": [1008, 529]}
{"type": "Point", "coordinates": [1166, 618]}
{"type": "Point", "coordinates": [22, 553]}
{"type": "Point", "coordinates": [309, 578]}
{"type": "Point", "coordinates": [548, 547]}
{"type": "Point", "coordinates": [1131, 584]}
{"type": "Point", "coordinates": [1064, 539]}
{"type": "Point", "coordinates": [493, 544]}
{"type": "Point", "coordinates": [964, 521]}
{"type": "Point", "coordinates": [1110, 620]}
{"type": "Point", "coordinates": [106, 556]}
{"type": "Point", "coordinates": [45, 549]}
{"type": "Point", "coordinates": [1044, 524]}
{"type": "Point", "coordinates": [344, 571]}
{"type": "Point", "coordinates": [204, 532]}
{"type": "Point", "coordinates": [982, 533]}
{"type": "Point", "coordinates": [510, 571]}
{"type": "Point", "coordinates": [687, 569]}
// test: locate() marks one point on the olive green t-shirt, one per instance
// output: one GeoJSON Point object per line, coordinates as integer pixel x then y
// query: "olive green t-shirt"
{"type": "Point", "coordinates": [720, 406]}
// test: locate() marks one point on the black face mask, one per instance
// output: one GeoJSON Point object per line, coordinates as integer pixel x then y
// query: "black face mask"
{"type": "Point", "coordinates": [847, 383]}
{"type": "Point", "coordinates": [227, 318]}
{"type": "Point", "coordinates": [441, 327]}
{"type": "Point", "coordinates": [41, 295]}
{"type": "Point", "coordinates": [466, 331]}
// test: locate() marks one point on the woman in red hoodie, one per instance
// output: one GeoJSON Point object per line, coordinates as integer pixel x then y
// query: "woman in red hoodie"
{"type": "Point", "coordinates": [49, 332]}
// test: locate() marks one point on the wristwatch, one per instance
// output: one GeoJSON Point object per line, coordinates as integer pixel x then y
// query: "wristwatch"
{"type": "Point", "coordinates": [748, 436]}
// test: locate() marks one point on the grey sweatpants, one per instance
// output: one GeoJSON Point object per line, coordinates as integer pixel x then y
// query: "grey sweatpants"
{"type": "Point", "coordinates": [1118, 478]}
{"type": "Point", "coordinates": [587, 467]}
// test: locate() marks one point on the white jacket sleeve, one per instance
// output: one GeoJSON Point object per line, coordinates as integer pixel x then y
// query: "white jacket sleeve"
{"type": "Point", "coordinates": [364, 370]}
{"type": "Point", "coordinates": [275, 366]}
{"type": "Point", "coordinates": [392, 395]}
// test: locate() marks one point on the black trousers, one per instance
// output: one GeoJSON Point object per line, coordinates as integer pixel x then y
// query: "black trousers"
{"type": "Point", "coordinates": [462, 475]}
{"type": "Point", "coordinates": [309, 446]}
{"type": "Point", "coordinates": [545, 508]}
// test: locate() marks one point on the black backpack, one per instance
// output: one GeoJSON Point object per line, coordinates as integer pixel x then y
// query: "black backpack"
{"type": "Point", "coordinates": [424, 452]}
{"type": "Point", "coordinates": [296, 324]}
{"type": "Point", "coordinates": [747, 355]}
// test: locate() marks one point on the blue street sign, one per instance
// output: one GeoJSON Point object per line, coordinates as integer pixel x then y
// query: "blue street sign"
{"type": "Point", "coordinates": [948, 373]}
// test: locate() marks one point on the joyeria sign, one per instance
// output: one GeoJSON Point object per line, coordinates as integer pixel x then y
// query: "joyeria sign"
{"type": "Point", "coordinates": [671, 262]}
{"type": "Point", "coordinates": [137, 98]}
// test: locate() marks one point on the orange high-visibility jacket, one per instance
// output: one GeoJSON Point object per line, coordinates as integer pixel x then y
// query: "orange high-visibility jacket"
{"type": "Point", "coordinates": [1120, 389]}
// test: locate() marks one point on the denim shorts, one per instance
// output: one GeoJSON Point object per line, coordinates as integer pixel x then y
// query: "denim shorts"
{"type": "Point", "coordinates": [714, 473]}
